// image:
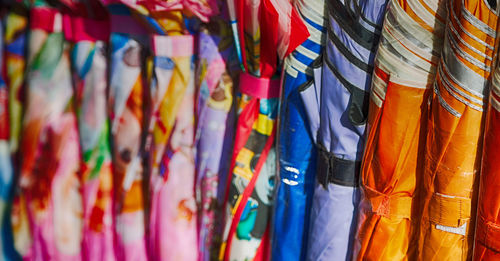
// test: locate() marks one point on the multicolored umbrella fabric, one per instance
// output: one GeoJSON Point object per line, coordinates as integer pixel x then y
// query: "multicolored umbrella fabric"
{"type": "Point", "coordinates": [486, 244]}
{"type": "Point", "coordinates": [215, 127]}
{"type": "Point", "coordinates": [126, 97]}
{"type": "Point", "coordinates": [6, 164]}
{"type": "Point", "coordinates": [89, 64]}
{"type": "Point", "coordinates": [454, 143]}
{"type": "Point", "coordinates": [253, 167]}
{"type": "Point", "coordinates": [405, 68]}
{"type": "Point", "coordinates": [353, 31]}
{"type": "Point", "coordinates": [15, 34]}
{"type": "Point", "coordinates": [297, 153]}
{"type": "Point", "coordinates": [172, 217]}
{"type": "Point", "coordinates": [49, 180]}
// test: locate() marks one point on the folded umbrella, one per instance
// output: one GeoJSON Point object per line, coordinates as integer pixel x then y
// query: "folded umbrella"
{"type": "Point", "coordinates": [252, 173]}
{"type": "Point", "coordinates": [15, 36]}
{"type": "Point", "coordinates": [89, 63]}
{"type": "Point", "coordinates": [297, 153]}
{"type": "Point", "coordinates": [7, 251]}
{"type": "Point", "coordinates": [486, 243]}
{"type": "Point", "coordinates": [454, 143]}
{"type": "Point", "coordinates": [171, 135]}
{"type": "Point", "coordinates": [353, 31]}
{"type": "Point", "coordinates": [214, 130]}
{"type": "Point", "coordinates": [405, 68]}
{"type": "Point", "coordinates": [49, 179]}
{"type": "Point", "coordinates": [126, 95]}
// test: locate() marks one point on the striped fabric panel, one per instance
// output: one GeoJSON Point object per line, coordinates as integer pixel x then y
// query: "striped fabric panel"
{"type": "Point", "coordinates": [410, 48]}
{"type": "Point", "coordinates": [467, 61]}
{"type": "Point", "coordinates": [301, 59]}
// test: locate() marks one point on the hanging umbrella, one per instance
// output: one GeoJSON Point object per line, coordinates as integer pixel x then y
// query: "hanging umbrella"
{"type": "Point", "coordinates": [89, 33]}
{"type": "Point", "coordinates": [49, 179]}
{"type": "Point", "coordinates": [215, 125]}
{"type": "Point", "coordinates": [297, 157]}
{"type": "Point", "coordinates": [16, 22]}
{"type": "Point", "coordinates": [353, 31]}
{"type": "Point", "coordinates": [486, 246]}
{"type": "Point", "coordinates": [7, 251]}
{"type": "Point", "coordinates": [171, 130]}
{"type": "Point", "coordinates": [250, 184]}
{"type": "Point", "coordinates": [405, 69]}
{"type": "Point", "coordinates": [15, 34]}
{"type": "Point", "coordinates": [454, 144]}
{"type": "Point", "coordinates": [126, 95]}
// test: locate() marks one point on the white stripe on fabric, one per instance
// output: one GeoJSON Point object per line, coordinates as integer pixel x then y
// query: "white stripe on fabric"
{"type": "Point", "coordinates": [443, 103]}
{"type": "Point", "coordinates": [306, 52]}
{"type": "Point", "coordinates": [476, 22]}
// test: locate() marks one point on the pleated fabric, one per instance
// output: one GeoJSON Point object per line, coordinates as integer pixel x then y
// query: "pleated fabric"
{"type": "Point", "coordinates": [49, 181]}
{"type": "Point", "coordinates": [454, 144]}
{"type": "Point", "coordinates": [172, 172]}
{"type": "Point", "coordinates": [405, 68]}
{"type": "Point", "coordinates": [353, 31]}
{"type": "Point", "coordinates": [214, 131]}
{"type": "Point", "coordinates": [297, 153]}
{"type": "Point", "coordinates": [486, 243]}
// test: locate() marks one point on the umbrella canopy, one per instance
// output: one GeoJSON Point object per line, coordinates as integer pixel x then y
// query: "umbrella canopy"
{"type": "Point", "coordinates": [297, 157]}
{"type": "Point", "coordinates": [6, 164]}
{"type": "Point", "coordinates": [251, 180]}
{"type": "Point", "coordinates": [215, 126]}
{"type": "Point", "coordinates": [126, 96]}
{"type": "Point", "coordinates": [353, 31]}
{"type": "Point", "coordinates": [454, 144]}
{"type": "Point", "coordinates": [405, 68]}
{"type": "Point", "coordinates": [486, 246]}
{"type": "Point", "coordinates": [89, 34]}
{"type": "Point", "coordinates": [172, 208]}
{"type": "Point", "coordinates": [49, 179]}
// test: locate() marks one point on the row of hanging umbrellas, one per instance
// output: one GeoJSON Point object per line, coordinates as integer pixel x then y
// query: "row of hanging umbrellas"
{"type": "Point", "coordinates": [298, 130]}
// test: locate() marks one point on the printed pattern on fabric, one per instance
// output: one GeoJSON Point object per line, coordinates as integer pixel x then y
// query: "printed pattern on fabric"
{"type": "Point", "coordinates": [50, 200]}
{"type": "Point", "coordinates": [215, 125]}
{"type": "Point", "coordinates": [126, 96]}
{"type": "Point", "coordinates": [170, 147]}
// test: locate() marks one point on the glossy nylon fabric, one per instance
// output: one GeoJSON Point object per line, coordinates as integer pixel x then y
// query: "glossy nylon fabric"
{"type": "Point", "coordinates": [250, 189]}
{"type": "Point", "coordinates": [454, 145]}
{"type": "Point", "coordinates": [353, 29]}
{"type": "Point", "coordinates": [487, 239]}
{"type": "Point", "coordinates": [297, 155]}
{"type": "Point", "coordinates": [405, 68]}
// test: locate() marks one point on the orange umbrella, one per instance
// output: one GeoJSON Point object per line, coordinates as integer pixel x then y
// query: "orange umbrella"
{"type": "Point", "coordinates": [405, 68]}
{"type": "Point", "coordinates": [453, 152]}
{"type": "Point", "coordinates": [487, 241]}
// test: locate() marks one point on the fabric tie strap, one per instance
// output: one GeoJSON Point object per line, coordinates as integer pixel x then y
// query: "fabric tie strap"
{"type": "Point", "coordinates": [172, 46]}
{"type": "Point", "coordinates": [488, 233]}
{"type": "Point", "coordinates": [83, 29]}
{"type": "Point", "coordinates": [263, 88]}
{"type": "Point", "coordinates": [449, 211]}
{"type": "Point", "coordinates": [389, 206]}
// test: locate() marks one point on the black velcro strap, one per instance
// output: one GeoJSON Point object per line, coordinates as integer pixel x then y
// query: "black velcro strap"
{"type": "Point", "coordinates": [337, 171]}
